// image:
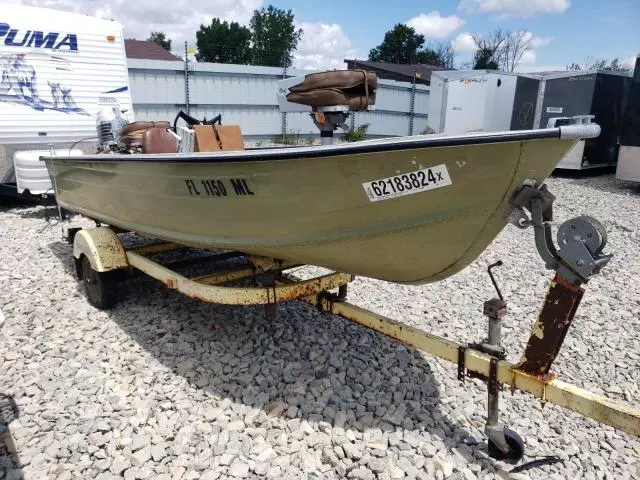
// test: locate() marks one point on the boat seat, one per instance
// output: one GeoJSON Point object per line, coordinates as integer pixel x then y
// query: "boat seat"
{"type": "Point", "coordinates": [159, 140]}
{"type": "Point", "coordinates": [131, 133]}
{"type": "Point", "coordinates": [353, 88]}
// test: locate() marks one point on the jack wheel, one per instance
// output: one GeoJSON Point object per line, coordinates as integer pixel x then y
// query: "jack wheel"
{"type": "Point", "coordinates": [100, 287]}
{"type": "Point", "coordinates": [516, 447]}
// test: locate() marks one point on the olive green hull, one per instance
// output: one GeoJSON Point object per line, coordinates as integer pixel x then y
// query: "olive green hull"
{"type": "Point", "coordinates": [315, 210]}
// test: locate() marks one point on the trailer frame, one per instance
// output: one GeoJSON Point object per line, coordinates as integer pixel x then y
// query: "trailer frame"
{"type": "Point", "coordinates": [101, 251]}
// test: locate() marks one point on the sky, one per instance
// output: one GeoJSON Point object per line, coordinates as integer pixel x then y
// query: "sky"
{"type": "Point", "coordinates": [562, 31]}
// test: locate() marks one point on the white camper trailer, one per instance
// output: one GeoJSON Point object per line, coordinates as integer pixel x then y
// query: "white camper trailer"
{"type": "Point", "coordinates": [57, 71]}
{"type": "Point", "coordinates": [470, 101]}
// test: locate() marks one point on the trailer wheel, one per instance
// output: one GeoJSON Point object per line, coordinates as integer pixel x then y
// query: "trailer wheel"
{"type": "Point", "coordinates": [516, 447]}
{"type": "Point", "coordinates": [100, 287]}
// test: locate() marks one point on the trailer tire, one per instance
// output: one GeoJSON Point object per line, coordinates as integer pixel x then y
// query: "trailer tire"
{"type": "Point", "coordinates": [101, 288]}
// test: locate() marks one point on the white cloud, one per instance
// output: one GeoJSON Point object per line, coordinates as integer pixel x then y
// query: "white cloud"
{"type": "Point", "coordinates": [515, 8]}
{"type": "Point", "coordinates": [630, 62]}
{"type": "Point", "coordinates": [179, 19]}
{"type": "Point", "coordinates": [323, 46]}
{"type": "Point", "coordinates": [528, 58]}
{"type": "Point", "coordinates": [432, 25]}
{"type": "Point", "coordinates": [537, 42]}
{"type": "Point", "coordinates": [464, 43]}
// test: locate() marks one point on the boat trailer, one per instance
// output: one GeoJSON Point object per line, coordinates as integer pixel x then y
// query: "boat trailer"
{"type": "Point", "coordinates": [101, 259]}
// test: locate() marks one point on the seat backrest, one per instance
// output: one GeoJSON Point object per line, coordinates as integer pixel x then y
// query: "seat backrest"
{"type": "Point", "coordinates": [159, 140]}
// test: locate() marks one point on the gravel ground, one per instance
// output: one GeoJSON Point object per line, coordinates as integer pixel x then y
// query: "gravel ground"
{"type": "Point", "coordinates": [170, 388]}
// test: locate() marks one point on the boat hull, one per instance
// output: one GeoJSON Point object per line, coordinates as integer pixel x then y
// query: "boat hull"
{"type": "Point", "coordinates": [315, 209]}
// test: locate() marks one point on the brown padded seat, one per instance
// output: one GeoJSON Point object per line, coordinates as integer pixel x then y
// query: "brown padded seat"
{"type": "Point", "coordinates": [354, 88]}
{"type": "Point", "coordinates": [131, 133]}
{"type": "Point", "coordinates": [132, 127]}
{"type": "Point", "coordinates": [342, 79]}
{"type": "Point", "coordinates": [158, 140]}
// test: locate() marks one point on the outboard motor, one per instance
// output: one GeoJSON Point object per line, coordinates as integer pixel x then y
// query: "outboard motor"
{"type": "Point", "coordinates": [109, 123]}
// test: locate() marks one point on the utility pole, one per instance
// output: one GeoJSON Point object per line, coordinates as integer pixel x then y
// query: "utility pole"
{"type": "Point", "coordinates": [186, 77]}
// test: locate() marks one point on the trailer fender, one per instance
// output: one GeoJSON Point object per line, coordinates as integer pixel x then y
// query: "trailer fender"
{"type": "Point", "coordinates": [102, 247]}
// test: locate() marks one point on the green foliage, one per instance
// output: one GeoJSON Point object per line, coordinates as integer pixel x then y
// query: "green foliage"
{"type": "Point", "coordinates": [484, 59]}
{"type": "Point", "coordinates": [403, 45]}
{"type": "Point", "coordinates": [356, 134]}
{"type": "Point", "coordinates": [612, 66]}
{"type": "Point", "coordinates": [223, 42]}
{"type": "Point", "coordinates": [294, 138]}
{"type": "Point", "coordinates": [274, 37]}
{"type": "Point", "coordinates": [161, 39]}
{"type": "Point", "coordinates": [289, 138]}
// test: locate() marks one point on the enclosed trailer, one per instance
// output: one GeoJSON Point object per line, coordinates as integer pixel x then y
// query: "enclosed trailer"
{"type": "Point", "coordinates": [629, 157]}
{"type": "Point", "coordinates": [524, 102]}
{"type": "Point", "coordinates": [470, 101]}
{"type": "Point", "coordinates": [57, 70]}
{"type": "Point", "coordinates": [598, 93]}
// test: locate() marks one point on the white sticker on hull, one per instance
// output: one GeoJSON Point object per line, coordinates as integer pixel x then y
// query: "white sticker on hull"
{"type": "Point", "coordinates": [407, 183]}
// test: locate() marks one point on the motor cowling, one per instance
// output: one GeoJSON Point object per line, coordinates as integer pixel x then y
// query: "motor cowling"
{"type": "Point", "coordinates": [109, 123]}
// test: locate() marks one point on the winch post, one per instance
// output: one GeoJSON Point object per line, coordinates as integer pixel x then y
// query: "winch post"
{"type": "Point", "coordinates": [578, 258]}
{"type": "Point", "coordinates": [551, 327]}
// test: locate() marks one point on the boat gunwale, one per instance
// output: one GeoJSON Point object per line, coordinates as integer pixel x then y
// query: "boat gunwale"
{"type": "Point", "coordinates": [300, 153]}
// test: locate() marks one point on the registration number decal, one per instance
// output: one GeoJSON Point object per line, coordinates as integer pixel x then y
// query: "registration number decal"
{"type": "Point", "coordinates": [407, 183]}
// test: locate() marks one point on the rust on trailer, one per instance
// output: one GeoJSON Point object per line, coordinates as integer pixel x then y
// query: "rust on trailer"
{"type": "Point", "coordinates": [228, 295]}
{"type": "Point", "coordinates": [102, 247]}
{"type": "Point", "coordinates": [546, 387]}
{"type": "Point", "coordinates": [234, 274]}
{"type": "Point", "coordinates": [551, 326]}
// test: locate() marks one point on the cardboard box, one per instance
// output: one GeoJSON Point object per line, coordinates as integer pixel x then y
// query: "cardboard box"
{"type": "Point", "coordinates": [230, 137]}
{"type": "Point", "coordinates": [206, 139]}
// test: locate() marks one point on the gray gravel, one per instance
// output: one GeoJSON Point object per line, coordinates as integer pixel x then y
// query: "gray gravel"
{"type": "Point", "coordinates": [169, 388]}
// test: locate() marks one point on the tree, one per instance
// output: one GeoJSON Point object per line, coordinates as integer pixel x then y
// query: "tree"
{"type": "Point", "coordinates": [490, 52]}
{"type": "Point", "coordinates": [615, 66]}
{"type": "Point", "coordinates": [403, 45]}
{"type": "Point", "coordinates": [515, 45]}
{"type": "Point", "coordinates": [223, 42]}
{"type": "Point", "coordinates": [589, 64]}
{"type": "Point", "coordinates": [446, 53]}
{"type": "Point", "coordinates": [274, 37]}
{"type": "Point", "coordinates": [483, 59]}
{"type": "Point", "coordinates": [161, 39]}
